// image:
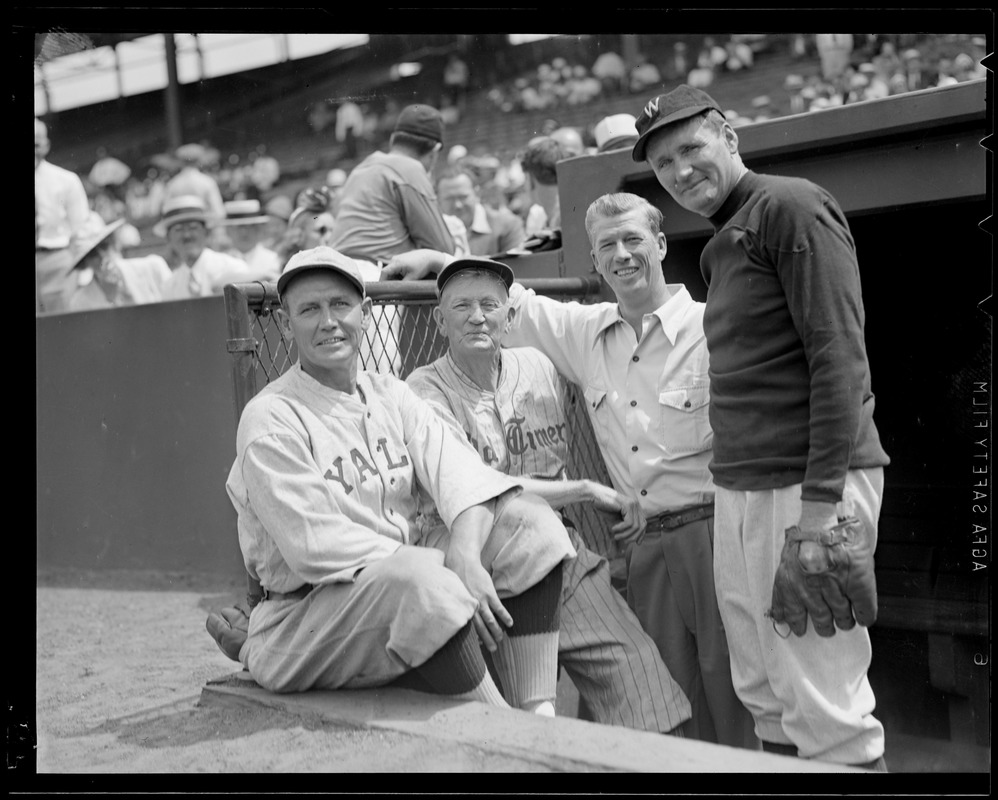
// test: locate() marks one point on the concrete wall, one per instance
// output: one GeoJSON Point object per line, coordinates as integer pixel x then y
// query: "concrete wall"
{"type": "Point", "coordinates": [135, 436]}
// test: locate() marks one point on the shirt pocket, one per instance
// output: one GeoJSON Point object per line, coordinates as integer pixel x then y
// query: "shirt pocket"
{"type": "Point", "coordinates": [598, 408]}
{"type": "Point", "coordinates": [684, 420]}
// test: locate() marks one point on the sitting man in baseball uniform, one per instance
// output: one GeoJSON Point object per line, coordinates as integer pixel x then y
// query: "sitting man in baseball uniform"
{"type": "Point", "coordinates": [509, 403]}
{"type": "Point", "coordinates": [330, 461]}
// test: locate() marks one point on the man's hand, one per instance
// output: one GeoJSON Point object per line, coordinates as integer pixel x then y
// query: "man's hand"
{"type": "Point", "coordinates": [632, 523]}
{"type": "Point", "coordinates": [468, 566]}
{"type": "Point", "coordinates": [414, 266]}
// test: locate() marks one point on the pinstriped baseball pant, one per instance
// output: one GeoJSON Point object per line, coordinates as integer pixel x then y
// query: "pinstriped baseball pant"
{"type": "Point", "coordinates": [613, 663]}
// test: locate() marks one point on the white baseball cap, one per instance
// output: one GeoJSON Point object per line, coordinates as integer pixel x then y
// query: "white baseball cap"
{"type": "Point", "coordinates": [321, 257]}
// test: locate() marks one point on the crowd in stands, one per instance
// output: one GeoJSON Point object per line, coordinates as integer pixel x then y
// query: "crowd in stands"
{"type": "Point", "coordinates": [857, 68]}
{"type": "Point", "coordinates": [240, 207]}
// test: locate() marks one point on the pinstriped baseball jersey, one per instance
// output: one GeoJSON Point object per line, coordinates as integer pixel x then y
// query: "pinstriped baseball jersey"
{"type": "Point", "coordinates": [521, 429]}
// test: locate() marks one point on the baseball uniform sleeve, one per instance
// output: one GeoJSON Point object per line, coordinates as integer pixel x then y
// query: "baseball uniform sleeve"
{"type": "Point", "coordinates": [446, 466]}
{"type": "Point", "coordinates": [296, 506]}
{"type": "Point", "coordinates": [422, 383]}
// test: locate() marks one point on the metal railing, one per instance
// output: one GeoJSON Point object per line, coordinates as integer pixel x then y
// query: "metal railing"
{"type": "Point", "coordinates": [404, 336]}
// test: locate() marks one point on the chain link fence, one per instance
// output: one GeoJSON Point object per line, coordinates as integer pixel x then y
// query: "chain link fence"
{"type": "Point", "coordinates": [404, 336]}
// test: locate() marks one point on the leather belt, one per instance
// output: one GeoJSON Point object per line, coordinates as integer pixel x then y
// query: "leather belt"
{"type": "Point", "coordinates": [671, 520]}
{"type": "Point", "coordinates": [297, 594]}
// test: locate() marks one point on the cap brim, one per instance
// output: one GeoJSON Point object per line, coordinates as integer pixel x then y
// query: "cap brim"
{"type": "Point", "coordinates": [617, 143]}
{"type": "Point", "coordinates": [108, 232]}
{"type": "Point", "coordinates": [638, 153]}
{"type": "Point", "coordinates": [161, 227]}
{"type": "Point", "coordinates": [246, 221]}
{"type": "Point", "coordinates": [504, 272]}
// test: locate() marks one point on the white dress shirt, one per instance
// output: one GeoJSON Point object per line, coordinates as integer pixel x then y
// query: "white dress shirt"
{"type": "Point", "coordinates": [646, 391]}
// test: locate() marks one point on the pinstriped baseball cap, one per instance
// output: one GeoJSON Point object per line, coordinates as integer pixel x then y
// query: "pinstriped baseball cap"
{"type": "Point", "coordinates": [321, 257]}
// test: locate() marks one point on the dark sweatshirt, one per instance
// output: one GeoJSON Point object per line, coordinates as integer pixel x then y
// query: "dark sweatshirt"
{"type": "Point", "coordinates": [790, 393]}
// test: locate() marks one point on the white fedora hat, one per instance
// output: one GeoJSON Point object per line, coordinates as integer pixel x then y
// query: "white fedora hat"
{"type": "Point", "coordinates": [244, 212]}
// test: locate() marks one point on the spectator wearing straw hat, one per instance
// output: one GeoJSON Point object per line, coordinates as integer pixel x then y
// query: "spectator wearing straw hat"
{"type": "Point", "coordinates": [388, 205]}
{"type": "Point", "coordinates": [199, 271]}
{"type": "Point", "coordinates": [102, 278]}
{"type": "Point", "coordinates": [614, 132]}
{"type": "Point", "coordinates": [245, 224]}
{"type": "Point", "coordinates": [192, 180]}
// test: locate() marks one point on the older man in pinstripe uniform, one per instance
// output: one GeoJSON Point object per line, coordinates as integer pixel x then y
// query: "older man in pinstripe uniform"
{"type": "Point", "coordinates": [509, 403]}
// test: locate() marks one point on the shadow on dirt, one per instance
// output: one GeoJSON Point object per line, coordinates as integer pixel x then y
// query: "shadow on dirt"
{"type": "Point", "coordinates": [184, 723]}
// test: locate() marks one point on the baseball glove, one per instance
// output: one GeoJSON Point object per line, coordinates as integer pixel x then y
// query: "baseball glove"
{"type": "Point", "coordinates": [827, 575]}
{"type": "Point", "coordinates": [229, 628]}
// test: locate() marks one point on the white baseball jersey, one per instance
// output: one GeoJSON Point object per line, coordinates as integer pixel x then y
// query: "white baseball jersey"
{"type": "Point", "coordinates": [325, 482]}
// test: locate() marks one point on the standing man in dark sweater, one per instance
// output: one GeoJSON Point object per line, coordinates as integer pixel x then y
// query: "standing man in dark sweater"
{"type": "Point", "coordinates": [792, 413]}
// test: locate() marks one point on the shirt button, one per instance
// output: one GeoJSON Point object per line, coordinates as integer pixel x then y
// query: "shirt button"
{"type": "Point", "coordinates": [634, 448]}
{"type": "Point", "coordinates": [644, 492]}
{"type": "Point", "coordinates": [633, 403]}
{"type": "Point", "coordinates": [687, 404]}
{"type": "Point", "coordinates": [392, 480]}
{"type": "Point", "coordinates": [635, 358]}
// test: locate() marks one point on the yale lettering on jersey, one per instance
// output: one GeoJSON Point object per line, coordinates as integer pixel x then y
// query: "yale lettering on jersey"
{"type": "Point", "coordinates": [361, 467]}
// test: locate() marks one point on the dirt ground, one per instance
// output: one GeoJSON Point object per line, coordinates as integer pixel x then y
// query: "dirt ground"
{"type": "Point", "coordinates": [120, 664]}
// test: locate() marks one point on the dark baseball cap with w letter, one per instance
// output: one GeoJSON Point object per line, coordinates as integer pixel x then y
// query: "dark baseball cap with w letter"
{"type": "Point", "coordinates": [681, 103]}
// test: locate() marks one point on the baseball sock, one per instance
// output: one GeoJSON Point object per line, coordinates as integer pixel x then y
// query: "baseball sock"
{"type": "Point", "coordinates": [877, 765]}
{"type": "Point", "coordinates": [780, 749]}
{"type": "Point", "coordinates": [527, 656]}
{"type": "Point", "coordinates": [457, 670]}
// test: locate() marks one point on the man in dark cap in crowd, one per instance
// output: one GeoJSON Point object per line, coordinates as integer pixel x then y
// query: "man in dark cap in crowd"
{"type": "Point", "coordinates": [388, 205]}
{"type": "Point", "coordinates": [791, 408]}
